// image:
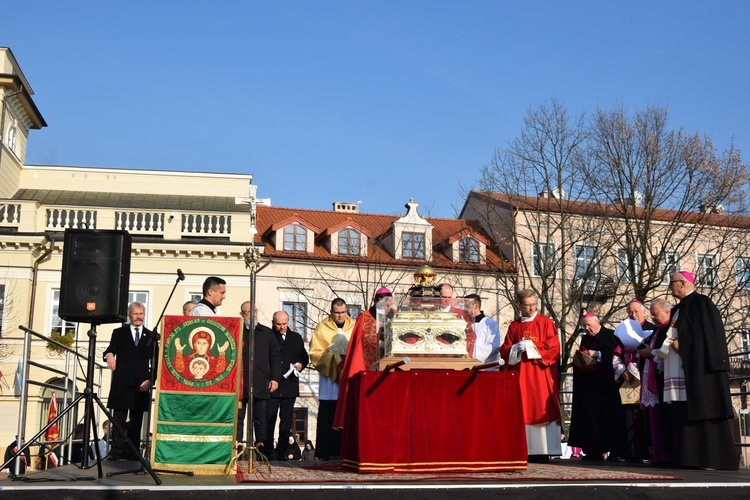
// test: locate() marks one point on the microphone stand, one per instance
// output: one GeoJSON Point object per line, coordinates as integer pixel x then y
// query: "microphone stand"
{"type": "Point", "coordinates": [154, 340]}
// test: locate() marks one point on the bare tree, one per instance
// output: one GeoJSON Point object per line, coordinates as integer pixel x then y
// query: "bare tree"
{"type": "Point", "coordinates": [538, 178]}
{"type": "Point", "coordinates": [595, 213]}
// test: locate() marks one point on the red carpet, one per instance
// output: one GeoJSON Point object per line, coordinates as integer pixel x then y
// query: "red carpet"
{"type": "Point", "coordinates": [332, 472]}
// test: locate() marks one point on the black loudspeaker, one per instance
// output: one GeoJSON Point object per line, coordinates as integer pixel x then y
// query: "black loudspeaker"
{"type": "Point", "coordinates": [95, 276]}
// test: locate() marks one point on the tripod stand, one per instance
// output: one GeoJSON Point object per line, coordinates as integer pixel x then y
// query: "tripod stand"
{"type": "Point", "coordinates": [154, 344]}
{"type": "Point", "coordinates": [89, 398]}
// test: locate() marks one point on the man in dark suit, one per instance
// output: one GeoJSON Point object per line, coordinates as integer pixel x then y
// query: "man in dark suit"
{"type": "Point", "coordinates": [266, 375]}
{"type": "Point", "coordinates": [129, 358]}
{"type": "Point", "coordinates": [294, 358]}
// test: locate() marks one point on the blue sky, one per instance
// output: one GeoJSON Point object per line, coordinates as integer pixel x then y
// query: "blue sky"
{"type": "Point", "coordinates": [371, 101]}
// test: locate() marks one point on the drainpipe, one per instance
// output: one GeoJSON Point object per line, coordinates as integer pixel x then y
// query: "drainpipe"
{"type": "Point", "coordinates": [47, 239]}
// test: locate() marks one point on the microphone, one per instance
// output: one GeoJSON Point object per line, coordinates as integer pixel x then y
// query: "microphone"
{"type": "Point", "coordinates": [180, 275]}
{"type": "Point", "coordinates": [491, 364]}
{"type": "Point", "coordinates": [395, 365]}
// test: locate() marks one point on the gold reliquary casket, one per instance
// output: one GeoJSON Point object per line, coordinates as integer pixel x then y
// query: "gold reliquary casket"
{"type": "Point", "coordinates": [429, 331]}
{"type": "Point", "coordinates": [425, 328]}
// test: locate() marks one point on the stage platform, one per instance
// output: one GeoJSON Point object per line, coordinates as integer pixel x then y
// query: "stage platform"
{"type": "Point", "coordinates": [561, 479]}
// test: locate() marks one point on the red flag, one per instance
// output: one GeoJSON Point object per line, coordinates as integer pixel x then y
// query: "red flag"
{"type": "Point", "coordinates": [53, 432]}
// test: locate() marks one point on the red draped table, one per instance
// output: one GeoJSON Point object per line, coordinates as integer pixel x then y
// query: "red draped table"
{"type": "Point", "coordinates": [434, 420]}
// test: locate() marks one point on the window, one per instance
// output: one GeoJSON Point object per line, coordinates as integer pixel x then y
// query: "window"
{"type": "Point", "coordinates": [743, 272]}
{"type": "Point", "coordinates": [468, 250]}
{"type": "Point", "coordinates": [623, 265]}
{"type": "Point", "coordinates": [413, 245]}
{"type": "Point", "coordinates": [297, 312]}
{"type": "Point", "coordinates": [299, 425]}
{"type": "Point", "coordinates": [668, 266]}
{"type": "Point", "coordinates": [745, 334]}
{"type": "Point", "coordinates": [295, 238]}
{"type": "Point", "coordinates": [349, 242]}
{"type": "Point", "coordinates": [59, 325]}
{"type": "Point", "coordinates": [585, 261]}
{"type": "Point", "coordinates": [543, 255]}
{"type": "Point", "coordinates": [353, 310]}
{"type": "Point", "coordinates": [12, 137]}
{"type": "Point", "coordinates": [2, 308]}
{"type": "Point", "coordinates": [708, 272]}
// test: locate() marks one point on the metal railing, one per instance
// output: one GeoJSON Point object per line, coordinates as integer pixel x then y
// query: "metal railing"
{"type": "Point", "coordinates": [70, 375]}
{"type": "Point", "coordinates": [739, 374]}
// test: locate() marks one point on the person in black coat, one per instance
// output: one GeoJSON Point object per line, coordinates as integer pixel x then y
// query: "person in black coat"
{"type": "Point", "coordinates": [703, 420]}
{"type": "Point", "coordinates": [596, 400]}
{"type": "Point", "coordinates": [294, 358]}
{"type": "Point", "coordinates": [129, 358]}
{"type": "Point", "coordinates": [266, 375]}
{"type": "Point", "coordinates": [25, 458]}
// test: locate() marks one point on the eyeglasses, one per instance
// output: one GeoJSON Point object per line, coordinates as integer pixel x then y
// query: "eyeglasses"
{"type": "Point", "coordinates": [675, 281]}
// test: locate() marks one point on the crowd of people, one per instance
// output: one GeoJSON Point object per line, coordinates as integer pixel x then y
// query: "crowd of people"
{"type": "Point", "coordinates": [682, 413]}
{"type": "Point", "coordinates": [665, 401]}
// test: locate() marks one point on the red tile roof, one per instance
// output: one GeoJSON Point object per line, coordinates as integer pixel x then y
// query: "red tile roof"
{"type": "Point", "coordinates": [598, 209]}
{"type": "Point", "coordinates": [378, 226]}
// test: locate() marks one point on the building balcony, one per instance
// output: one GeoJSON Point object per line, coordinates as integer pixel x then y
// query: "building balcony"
{"type": "Point", "coordinates": [29, 217]}
{"type": "Point", "coordinates": [595, 287]}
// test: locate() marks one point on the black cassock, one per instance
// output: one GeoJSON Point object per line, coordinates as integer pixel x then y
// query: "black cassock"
{"type": "Point", "coordinates": [596, 400]}
{"type": "Point", "coordinates": [706, 439]}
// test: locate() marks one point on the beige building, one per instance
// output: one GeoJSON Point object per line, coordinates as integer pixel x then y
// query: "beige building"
{"type": "Point", "coordinates": [582, 256]}
{"type": "Point", "coordinates": [200, 223]}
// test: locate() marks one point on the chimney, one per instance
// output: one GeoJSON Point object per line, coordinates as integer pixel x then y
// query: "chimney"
{"type": "Point", "coordinates": [346, 207]}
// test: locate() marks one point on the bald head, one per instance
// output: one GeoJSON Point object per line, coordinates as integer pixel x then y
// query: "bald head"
{"type": "Point", "coordinates": [280, 322]}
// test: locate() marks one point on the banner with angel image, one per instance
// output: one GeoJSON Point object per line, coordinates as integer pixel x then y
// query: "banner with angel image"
{"type": "Point", "coordinates": [197, 392]}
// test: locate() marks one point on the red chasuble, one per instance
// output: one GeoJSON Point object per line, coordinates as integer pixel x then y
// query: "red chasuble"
{"type": "Point", "coordinates": [538, 377]}
{"type": "Point", "coordinates": [361, 354]}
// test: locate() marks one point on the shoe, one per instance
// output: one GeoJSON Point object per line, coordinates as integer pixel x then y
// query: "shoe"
{"type": "Point", "coordinates": [614, 459]}
{"type": "Point", "coordinates": [538, 459]}
{"type": "Point", "coordinates": [592, 458]}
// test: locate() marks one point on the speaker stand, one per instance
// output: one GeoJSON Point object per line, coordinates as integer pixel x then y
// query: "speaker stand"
{"type": "Point", "coordinates": [89, 398]}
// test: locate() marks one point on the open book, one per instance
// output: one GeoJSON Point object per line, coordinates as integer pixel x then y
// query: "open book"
{"type": "Point", "coordinates": [531, 351]}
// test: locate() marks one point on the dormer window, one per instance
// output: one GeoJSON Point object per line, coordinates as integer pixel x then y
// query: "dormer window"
{"type": "Point", "coordinates": [295, 238]}
{"type": "Point", "coordinates": [468, 249]}
{"type": "Point", "coordinates": [413, 245]}
{"type": "Point", "coordinates": [349, 242]}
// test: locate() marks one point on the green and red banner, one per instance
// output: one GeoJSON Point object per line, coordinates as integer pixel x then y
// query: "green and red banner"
{"type": "Point", "coordinates": [197, 394]}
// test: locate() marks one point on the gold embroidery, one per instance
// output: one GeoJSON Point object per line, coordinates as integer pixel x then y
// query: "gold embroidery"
{"type": "Point", "coordinates": [194, 438]}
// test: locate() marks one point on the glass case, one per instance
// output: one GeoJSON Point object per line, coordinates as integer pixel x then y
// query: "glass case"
{"type": "Point", "coordinates": [423, 326]}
